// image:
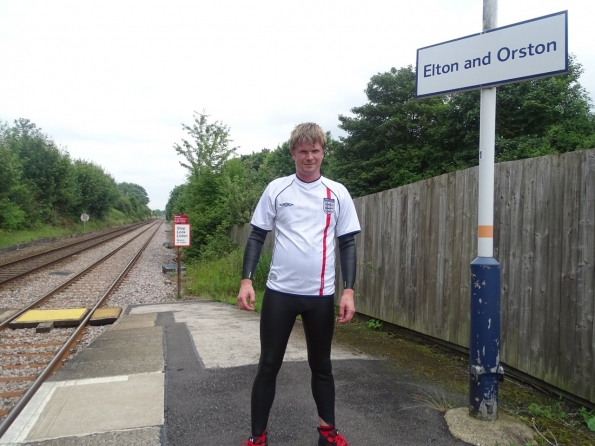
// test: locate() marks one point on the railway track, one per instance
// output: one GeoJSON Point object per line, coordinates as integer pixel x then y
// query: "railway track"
{"type": "Point", "coordinates": [28, 358]}
{"type": "Point", "coordinates": [22, 266]}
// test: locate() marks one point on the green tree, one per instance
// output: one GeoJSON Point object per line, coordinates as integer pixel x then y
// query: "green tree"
{"type": "Point", "coordinates": [10, 169]}
{"type": "Point", "coordinates": [212, 173]}
{"type": "Point", "coordinates": [533, 118]}
{"type": "Point", "coordinates": [396, 139]}
{"type": "Point", "coordinates": [390, 140]}
{"type": "Point", "coordinates": [242, 186]}
{"type": "Point", "coordinates": [278, 163]}
{"type": "Point", "coordinates": [173, 206]}
{"type": "Point", "coordinates": [11, 214]}
{"type": "Point", "coordinates": [329, 163]}
{"type": "Point", "coordinates": [98, 189]}
{"type": "Point", "coordinates": [211, 145]}
{"type": "Point", "coordinates": [46, 171]}
{"type": "Point", "coordinates": [133, 200]}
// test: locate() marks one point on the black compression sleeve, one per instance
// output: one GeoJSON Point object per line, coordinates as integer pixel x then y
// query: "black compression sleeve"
{"type": "Point", "coordinates": [252, 252]}
{"type": "Point", "coordinates": [348, 259]}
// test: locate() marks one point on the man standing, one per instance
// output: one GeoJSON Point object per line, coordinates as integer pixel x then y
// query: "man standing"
{"type": "Point", "coordinates": [307, 212]}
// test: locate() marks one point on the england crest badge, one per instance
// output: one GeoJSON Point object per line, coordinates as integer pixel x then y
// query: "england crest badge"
{"type": "Point", "coordinates": [328, 205]}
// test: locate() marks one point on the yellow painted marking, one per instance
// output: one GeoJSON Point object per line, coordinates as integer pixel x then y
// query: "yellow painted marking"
{"type": "Point", "coordinates": [103, 313]}
{"type": "Point", "coordinates": [52, 315]}
{"type": "Point", "coordinates": [485, 231]}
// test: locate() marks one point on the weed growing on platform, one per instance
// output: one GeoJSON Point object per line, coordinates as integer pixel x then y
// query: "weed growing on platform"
{"type": "Point", "coordinates": [374, 324]}
{"type": "Point", "coordinates": [589, 417]}
{"type": "Point", "coordinates": [219, 278]}
{"type": "Point", "coordinates": [437, 402]}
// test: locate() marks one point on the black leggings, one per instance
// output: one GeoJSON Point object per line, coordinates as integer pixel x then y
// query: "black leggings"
{"type": "Point", "coordinates": [278, 316]}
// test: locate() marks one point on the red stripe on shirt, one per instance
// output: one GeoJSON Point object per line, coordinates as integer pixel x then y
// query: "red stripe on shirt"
{"type": "Point", "coordinates": [328, 223]}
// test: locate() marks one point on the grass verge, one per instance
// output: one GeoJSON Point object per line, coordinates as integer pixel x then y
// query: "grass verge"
{"type": "Point", "coordinates": [219, 279]}
{"type": "Point", "coordinates": [66, 227]}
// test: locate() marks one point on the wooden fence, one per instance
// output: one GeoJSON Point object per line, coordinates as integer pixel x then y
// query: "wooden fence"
{"type": "Point", "coordinates": [418, 241]}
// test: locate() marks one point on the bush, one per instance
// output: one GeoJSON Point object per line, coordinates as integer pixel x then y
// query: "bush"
{"type": "Point", "coordinates": [219, 278]}
{"type": "Point", "coordinates": [11, 216]}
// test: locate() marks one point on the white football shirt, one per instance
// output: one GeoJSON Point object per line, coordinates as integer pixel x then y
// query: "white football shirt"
{"type": "Point", "coordinates": [307, 217]}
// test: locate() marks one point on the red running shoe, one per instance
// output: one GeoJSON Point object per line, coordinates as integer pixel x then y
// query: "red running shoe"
{"type": "Point", "coordinates": [256, 441]}
{"type": "Point", "coordinates": [330, 437]}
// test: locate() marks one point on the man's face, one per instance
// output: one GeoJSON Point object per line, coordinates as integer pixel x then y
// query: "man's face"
{"type": "Point", "coordinates": [308, 158]}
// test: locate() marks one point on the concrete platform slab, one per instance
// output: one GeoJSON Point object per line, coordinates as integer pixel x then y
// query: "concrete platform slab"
{"type": "Point", "coordinates": [149, 436]}
{"type": "Point", "coordinates": [116, 332]}
{"type": "Point", "coordinates": [119, 389]}
{"type": "Point", "coordinates": [117, 352]}
{"type": "Point", "coordinates": [110, 368]}
{"type": "Point", "coordinates": [224, 336]}
{"type": "Point", "coordinates": [89, 406]}
{"type": "Point", "coordinates": [141, 321]}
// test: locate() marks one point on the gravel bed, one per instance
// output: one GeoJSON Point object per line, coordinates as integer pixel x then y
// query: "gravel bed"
{"type": "Point", "coordinates": [14, 386]}
{"type": "Point", "coordinates": [144, 284]}
{"type": "Point", "coordinates": [22, 292]}
{"type": "Point", "coordinates": [9, 337]}
{"type": "Point", "coordinates": [5, 403]}
{"type": "Point", "coordinates": [89, 336]}
{"type": "Point", "coordinates": [9, 350]}
{"type": "Point", "coordinates": [18, 360]}
{"type": "Point", "coordinates": [22, 371]}
{"type": "Point", "coordinates": [17, 252]}
{"type": "Point", "coordinates": [86, 291]}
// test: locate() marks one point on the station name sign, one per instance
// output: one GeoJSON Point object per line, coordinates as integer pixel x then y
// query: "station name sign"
{"type": "Point", "coordinates": [525, 50]}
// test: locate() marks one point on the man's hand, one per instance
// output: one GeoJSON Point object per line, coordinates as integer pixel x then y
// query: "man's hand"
{"type": "Point", "coordinates": [246, 297]}
{"type": "Point", "coordinates": [346, 307]}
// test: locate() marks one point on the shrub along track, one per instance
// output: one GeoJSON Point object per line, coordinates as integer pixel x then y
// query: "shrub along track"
{"type": "Point", "coordinates": [29, 358]}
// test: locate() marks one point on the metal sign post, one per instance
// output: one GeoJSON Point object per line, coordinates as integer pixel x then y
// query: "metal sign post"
{"type": "Point", "coordinates": [496, 56]}
{"type": "Point", "coordinates": [179, 275]}
{"type": "Point", "coordinates": [84, 219]}
{"type": "Point", "coordinates": [484, 333]}
{"type": "Point", "coordinates": [181, 238]}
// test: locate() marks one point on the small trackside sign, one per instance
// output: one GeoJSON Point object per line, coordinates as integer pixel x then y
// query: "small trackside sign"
{"type": "Point", "coordinates": [180, 219]}
{"type": "Point", "coordinates": [181, 231]}
{"type": "Point", "coordinates": [525, 50]}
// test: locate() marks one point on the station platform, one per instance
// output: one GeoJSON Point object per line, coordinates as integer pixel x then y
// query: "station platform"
{"type": "Point", "coordinates": [181, 374]}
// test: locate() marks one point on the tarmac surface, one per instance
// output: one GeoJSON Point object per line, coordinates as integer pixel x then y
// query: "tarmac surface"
{"type": "Point", "coordinates": [181, 374]}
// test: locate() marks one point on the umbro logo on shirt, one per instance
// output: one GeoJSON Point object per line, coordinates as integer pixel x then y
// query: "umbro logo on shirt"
{"type": "Point", "coordinates": [285, 205]}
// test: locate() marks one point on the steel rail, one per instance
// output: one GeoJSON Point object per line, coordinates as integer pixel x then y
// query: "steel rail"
{"type": "Point", "coordinates": [59, 288]}
{"type": "Point", "coordinates": [49, 251]}
{"type": "Point", "coordinates": [55, 363]}
{"type": "Point", "coordinates": [109, 236]}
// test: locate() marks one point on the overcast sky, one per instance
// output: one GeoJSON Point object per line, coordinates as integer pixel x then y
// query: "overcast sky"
{"type": "Point", "coordinates": [112, 81]}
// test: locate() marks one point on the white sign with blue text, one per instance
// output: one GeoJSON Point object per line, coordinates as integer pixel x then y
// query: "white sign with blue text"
{"type": "Point", "coordinates": [524, 50]}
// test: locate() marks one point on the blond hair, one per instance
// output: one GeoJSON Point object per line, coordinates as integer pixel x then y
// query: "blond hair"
{"type": "Point", "coordinates": [307, 132]}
